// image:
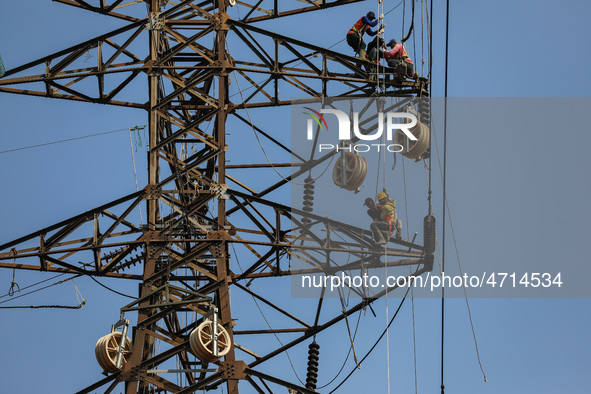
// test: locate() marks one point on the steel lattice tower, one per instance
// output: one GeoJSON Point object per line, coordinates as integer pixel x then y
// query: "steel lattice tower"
{"type": "Point", "coordinates": [188, 86]}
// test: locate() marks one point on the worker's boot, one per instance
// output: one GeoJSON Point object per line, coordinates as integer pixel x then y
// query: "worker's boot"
{"type": "Point", "coordinates": [362, 54]}
{"type": "Point", "coordinates": [398, 229]}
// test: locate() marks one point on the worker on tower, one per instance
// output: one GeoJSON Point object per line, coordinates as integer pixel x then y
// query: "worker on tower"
{"type": "Point", "coordinates": [375, 49]}
{"type": "Point", "coordinates": [373, 211]}
{"type": "Point", "coordinates": [386, 223]}
{"type": "Point", "coordinates": [398, 59]}
{"type": "Point", "coordinates": [355, 34]}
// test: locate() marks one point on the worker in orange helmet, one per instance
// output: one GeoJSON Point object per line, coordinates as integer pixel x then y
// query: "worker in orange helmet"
{"type": "Point", "coordinates": [398, 59]}
{"type": "Point", "coordinates": [363, 25]}
{"type": "Point", "coordinates": [384, 225]}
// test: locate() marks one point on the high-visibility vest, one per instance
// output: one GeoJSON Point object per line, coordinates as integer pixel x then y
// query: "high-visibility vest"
{"type": "Point", "coordinates": [359, 27]}
{"type": "Point", "coordinates": [389, 213]}
{"type": "Point", "coordinates": [404, 55]}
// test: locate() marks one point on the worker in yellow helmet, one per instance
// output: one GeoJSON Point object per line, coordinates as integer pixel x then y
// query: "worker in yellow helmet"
{"type": "Point", "coordinates": [384, 225]}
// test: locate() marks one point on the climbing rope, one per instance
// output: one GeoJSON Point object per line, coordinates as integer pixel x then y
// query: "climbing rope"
{"type": "Point", "coordinates": [79, 298]}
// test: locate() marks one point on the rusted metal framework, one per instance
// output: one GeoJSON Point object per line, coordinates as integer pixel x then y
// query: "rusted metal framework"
{"type": "Point", "coordinates": [188, 51]}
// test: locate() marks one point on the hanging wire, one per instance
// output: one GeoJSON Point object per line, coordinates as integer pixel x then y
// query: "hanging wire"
{"type": "Point", "coordinates": [79, 298]}
{"type": "Point", "coordinates": [266, 321]}
{"type": "Point", "coordinates": [42, 288]}
{"type": "Point", "coordinates": [386, 275]}
{"type": "Point", "coordinates": [34, 284]}
{"type": "Point", "coordinates": [347, 324]}
{"type": "Point", "coordinates": [412, 24]}
{"type": "Point", "coordinates": [135, 172]}
{"type": "Point", "coordinates": [13, 284]}
{"type": "Point", "coordinates": [444, 194]}
{"type": "Point", "coordinates": [110, 289]}
{"type": "Point", "coordinates": [430, 24]}
{"type": "Point", "coordinates": [414, 36]}
{"type": "Point", "coordinates": [61, 141]}
{"type": "Point", "coordinates": [422, 41]}
{"type": "Point", "coordinates": [80, 305]}
{"type": "Point", "coordinates": [449, 217]}
{"type": "Point", "coordinates": [414, 337]}
{"type": "Point", "coordinates": [346, 358]}
{"type": "Point", "coordinates": [377, 341]}
{"type": "Point", "coordinates": [403, 17]}
{"type": "Point", "coordinates": [263, 149]}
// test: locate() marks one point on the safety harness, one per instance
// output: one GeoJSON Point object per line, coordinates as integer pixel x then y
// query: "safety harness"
{"type": "Point", "coordinates": [359, 28]}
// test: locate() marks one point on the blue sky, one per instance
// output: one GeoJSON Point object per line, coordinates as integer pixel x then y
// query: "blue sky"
{"type": "Point", "coordinates": [524, 203]}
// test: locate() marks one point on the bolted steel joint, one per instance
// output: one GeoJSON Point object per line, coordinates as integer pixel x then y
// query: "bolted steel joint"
{"type": "Point", "coordinates": [155, 21]}
{"type": "Point", "coordinates": [220, 21]}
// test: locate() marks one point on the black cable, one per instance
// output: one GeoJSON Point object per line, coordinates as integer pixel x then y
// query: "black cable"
{"type": "Point", "coordinates": [346, 358]}
{"type": "Point", "coordinates": [403, 15]}
{"type": "Point", "coordinates": [114, 291]}
{"type": "Point", "coordinates": [412, 24]}
{"type": "Point", "coordinates": [378, 340]}
{"type": "Point", "coordinates": [61, 141]}
{"type": "Point", "coordinates": [431, 51]}
{"type": "Point", "coordinates": [34, 284]}
{"type": "Point", "coordinates": [42, 288]}
{"type": "Point", "coordinates": [444, 191]}
{"type": "Point", "coordinates": [44, 306]}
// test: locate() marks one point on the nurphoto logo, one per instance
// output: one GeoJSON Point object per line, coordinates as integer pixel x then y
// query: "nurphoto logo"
{"type": "Point", "coordinates": [393, 121]}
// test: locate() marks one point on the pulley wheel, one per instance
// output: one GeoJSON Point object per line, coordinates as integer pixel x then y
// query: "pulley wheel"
{"type": "Point", "coordinates": [201, 342]}
{"type": "Point", "coordinates": [106, 350]}
{"type": "Point", "coordinates": [414, 149]}
{"type": "Point", "coordinates": [355, 170]}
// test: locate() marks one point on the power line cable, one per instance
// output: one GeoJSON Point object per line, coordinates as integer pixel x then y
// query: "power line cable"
{"type": "Point", "coordinates": [42, 288]}
{"type": "Point", "coordinates": [451, 226]}
{"type": "Point", "coordinates": [377, 341]}
{"type": "Point", "coordinates": [61, 141]}
{"type": "Point", "coordinates": [108, 288]}
{"type": "Point", "coordinates": [348, 354]}
{"type": "Point", "coordinates": [267, 321]}
{"type": "Point", "coordinates": [33, 285]}
{"type": "Point", "coordinates": [46, 306]}
{"type": "Point", "coordinates": [444, 192]}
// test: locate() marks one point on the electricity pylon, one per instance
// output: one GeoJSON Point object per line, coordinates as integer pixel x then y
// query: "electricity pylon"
{"type": "Point", "coordinates": [182, 258]}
